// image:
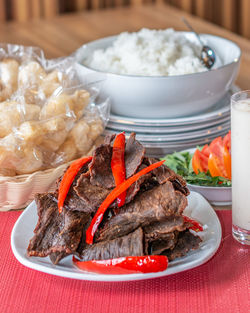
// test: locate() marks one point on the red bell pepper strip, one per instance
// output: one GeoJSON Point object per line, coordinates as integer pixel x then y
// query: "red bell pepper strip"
{"type": "Point", "coordinates": [125, 265]}
{"type": "Point", "coordinates": [118, 165]}
{"type": "Point", "coordinates": [112, 196]}
{"type": "Point", "coordinates": [68, 179]}
{"type": "Point", "coordinates": [196, 226]}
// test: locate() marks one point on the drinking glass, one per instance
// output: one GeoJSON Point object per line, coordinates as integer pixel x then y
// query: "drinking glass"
{"type": "Point", "coordinates": [240, 151]}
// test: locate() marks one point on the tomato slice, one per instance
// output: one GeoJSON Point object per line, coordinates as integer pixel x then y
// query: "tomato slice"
{"type": "Point", "coordinates": [206, 150]}
{"type": "Point", "coordinates": [216, 147]}
{"type": "Point", "coordinates": [215, 157]}
{"type": "Point", "coordinates": [215, 166]}
{"type": "Point", "coordinates": [196, 162]}
{"type": "Point", "coordinates": [227, 162]}
{"type": "Point", "coordinates": [227, 141]}
{"type": "Point", "coordinates": [203, 161]}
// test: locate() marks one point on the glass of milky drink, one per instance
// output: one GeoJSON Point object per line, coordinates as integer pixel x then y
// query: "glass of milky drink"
{"type": "Point", "coordinates": [240, 127]}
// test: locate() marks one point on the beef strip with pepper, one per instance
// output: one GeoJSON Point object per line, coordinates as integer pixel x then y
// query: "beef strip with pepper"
{"type": "Point", "coordinates": [150, 222]}
{"type": "Point", "coordinates": [55, 232]}
{"type": "Point", "coordinates": [149, 207]}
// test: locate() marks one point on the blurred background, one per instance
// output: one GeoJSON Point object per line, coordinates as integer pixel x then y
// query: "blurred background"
{"type": "Point", "coordinates": [230, 14]}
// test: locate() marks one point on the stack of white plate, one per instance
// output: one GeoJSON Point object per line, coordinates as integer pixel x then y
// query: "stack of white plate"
{"type": "Point", "coordinates": [162, 136]}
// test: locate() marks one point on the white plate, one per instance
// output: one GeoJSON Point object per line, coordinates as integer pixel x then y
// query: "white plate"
{"type": "Point", "coordinates": [167, 129]}
{"type": "Point", "coordinates": [198, 208]}
{"type": "Point", "coordinates": [192, 135]}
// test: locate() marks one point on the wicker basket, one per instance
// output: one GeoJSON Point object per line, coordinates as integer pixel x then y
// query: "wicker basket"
{"type": "Point", "coordinates": [18, 191]}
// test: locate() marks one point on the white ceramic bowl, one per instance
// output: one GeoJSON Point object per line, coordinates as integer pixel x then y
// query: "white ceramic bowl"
{"type": "Point", "coordinates": [219, 196]}
{"type": "Point", "coordinates": [166, 96]}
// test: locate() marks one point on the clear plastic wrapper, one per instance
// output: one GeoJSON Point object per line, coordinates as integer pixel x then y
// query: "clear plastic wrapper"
{"type": "Point", "coordinates": [48, 115]}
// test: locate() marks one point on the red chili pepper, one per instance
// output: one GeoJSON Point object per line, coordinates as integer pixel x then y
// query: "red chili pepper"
{"type": "Point", "coordinates": [118, 165]}
{"type": "Point", "coordinates": [68, 179]}
{"type": "Point", "coordinates": [112, 196]}
{"type": "Point", "coordinates": [125, 265]}
{"type": "Point", "coordinates": [196, 226]}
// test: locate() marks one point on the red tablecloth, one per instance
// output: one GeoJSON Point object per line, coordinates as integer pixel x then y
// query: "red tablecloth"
{"type": "Point", "coordinates": [220, 285]}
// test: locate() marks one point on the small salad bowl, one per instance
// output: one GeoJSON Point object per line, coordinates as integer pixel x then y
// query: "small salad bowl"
{"type": "Point", "coordinates": [218, 196]}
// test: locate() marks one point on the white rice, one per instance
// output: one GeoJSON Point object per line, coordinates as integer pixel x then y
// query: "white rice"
{"type": "Point", "coordinates": [149, 53]}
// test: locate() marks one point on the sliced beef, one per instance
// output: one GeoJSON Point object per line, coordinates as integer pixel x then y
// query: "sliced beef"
{"type": "Point", "coordinates": [88, 197]}
{"type": "Point", "coordinates": [83, 170]}
{"type": "Point", "coordinates": [56, 257]}
{"type": "Point", "coordinates": [54, 232]}
{"type": "Point", "coordinates": [134, 154]}
{"type": "Point", "coordinates": [162, 235]}
{"type": "Point", "coordinates": [130, 245]}
{"type": "Point", "coordinates": [109, 139]}
{"type": "Point", "coordinates": [72, 201]}
{"type": "Point", "coordinates": [75, 203]}
{"type": "Point", "coordinates": [149, 207]}
{"type": "Point", "coordinates": [164, 173]}
{"type": "Point", "coordinates": [160, 245]}
{"type": "Point", "coordinates": [186, 242]}
{"type": "Point", "coordinates": [181, 187]}
{"type": "Point", "coordinates": [100, 167]}
{"type": "Point", "coordinates": [92, 196]}
{"type": "Point", "coordinates": [157, 231]}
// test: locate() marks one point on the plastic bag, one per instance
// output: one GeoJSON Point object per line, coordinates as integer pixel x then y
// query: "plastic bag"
{"type": "Point", "coordinates": [48, 115]}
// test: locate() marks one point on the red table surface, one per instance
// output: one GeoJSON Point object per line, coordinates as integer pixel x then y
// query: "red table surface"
{"type": "Point", "coordinates": [220, 285]}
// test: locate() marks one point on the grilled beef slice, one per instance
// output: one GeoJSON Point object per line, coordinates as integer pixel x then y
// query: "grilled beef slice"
{"type": "Point", "coordinates": [72, 201]}
{"type": "Point", "coordinates": [100, 167]}
{"type": "Point", "coordinates": [56, 257]}
{"type": "Point", "coordinates": [162, 235]}
{"type": "Point", "coordinates": [130, 245]}
{"type": "Point", "coordinates": [164, 173]}
{"type": "Point", "coordinates": [158, 246]}
{"type": "Point", "coordinates": [186, 242]}
{"type": "Point", "coordinates": [54, 232]}
{"type": "Point", "coordinates": [149, 207]}
{"type": "Point", "coordinates": [92, 196]}
{"type": "Point", "coordinates": [134, 154]}
{"type": "Point", "coordinates": [156, 231]}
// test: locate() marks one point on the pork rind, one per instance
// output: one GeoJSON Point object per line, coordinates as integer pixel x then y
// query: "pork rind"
{"type": "Point", "coordinates": [47, 114]}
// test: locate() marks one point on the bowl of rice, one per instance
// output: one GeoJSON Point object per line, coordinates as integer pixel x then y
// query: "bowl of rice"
{"type": "Point", "coordinates": [159, 73]}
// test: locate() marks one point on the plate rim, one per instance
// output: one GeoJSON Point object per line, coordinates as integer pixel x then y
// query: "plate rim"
{"type": "Point", "coordinates": [57, 271]}
{"type": "Point", "coordinates": [173, 137]}
{"type": "Point", "coordinates": [166, 129]}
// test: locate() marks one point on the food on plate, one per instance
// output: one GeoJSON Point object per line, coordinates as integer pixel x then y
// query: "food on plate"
{"type": "Point", "coordinates": [149, 53]}
{"type": "Point", "coordinates": [118, 206]}
{"type": "Point", "coordinates": [45, 119]}
{"type": "Point", "coordinates": [207, 166]}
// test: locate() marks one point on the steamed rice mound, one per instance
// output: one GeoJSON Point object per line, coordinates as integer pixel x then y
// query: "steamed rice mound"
{"type": "Point", "coordinates": [149, 53]}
